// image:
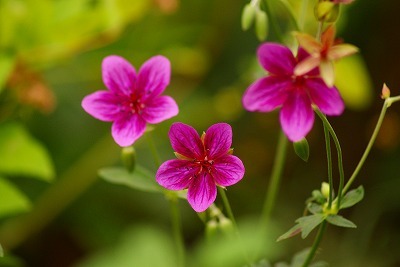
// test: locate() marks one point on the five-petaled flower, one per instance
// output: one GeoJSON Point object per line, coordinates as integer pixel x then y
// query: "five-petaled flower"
{"type": "Point", "coordinates": [322, 54]}
{"type": "Point", "coordinates": [203, 163]}
{"type": "Point", "coordinates": [294, 93]}
{"type": "Point", "coordinates": [133, 99]}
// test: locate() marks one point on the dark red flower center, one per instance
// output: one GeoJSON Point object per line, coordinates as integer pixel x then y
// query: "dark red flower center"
{"type": "Point", "coordinates": [135, 105]}
{"type": "Point", "coordinates": [205, 164]}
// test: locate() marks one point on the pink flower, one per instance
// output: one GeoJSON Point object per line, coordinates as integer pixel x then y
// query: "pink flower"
{"type": "Point", "coordinates": [203, 163]}
{"type": "Point", "coordinates": [294, 93]}
{"type": "Point", "coordinates": [133, 99]}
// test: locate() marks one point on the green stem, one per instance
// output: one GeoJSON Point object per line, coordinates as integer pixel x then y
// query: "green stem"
{"type": "Point", "coordinates": [227, 206]}
{"type": "Point", "coordinates": [292, 16]}
{"type": "Point", "coordinates": [303, 13]}
{"type": "Point", "coordinates": [339, 153]}
{"type": "Point", "coordinates": [153, 150]}
{"type": "Point", "coordinates": [274, 24]}
{"type": "Point", "coordinates": [274, 182]}
{"type": "Point", "coordinates": [388, 102]}
{"type": "Point", "coordinates": [319, 30]}
{"type": "Point", "coordinates": [177, 232]}
{"type": "Point", "coordinates": [315, 245]}
{"type": "Point", "coordinates": [329, 160]}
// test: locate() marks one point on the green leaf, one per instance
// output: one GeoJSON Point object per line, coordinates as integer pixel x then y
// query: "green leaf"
{"type": "Point", "coordinates": [308, 223]}
{"type": "Point", "coordinates": [314, 208]}
{"type": "Point", "coordinates": [12, 200]}
{"type": "Point", "coordinates": [20, 154]}
{"type": "Point", "coordinates": [302, 149]}
{"type": "Point", "coordinates": [6, 66]}
{"type": "Point", "coordinates": [140, 179]}
{"type": "Point", "coordinates": [1, 251]}
{"type": "Point", "coordinates": [295, 230]}
{"type": "Point", "coordinates": [352, 197]}
{"type": "Point", "coordinates": [340, 221]}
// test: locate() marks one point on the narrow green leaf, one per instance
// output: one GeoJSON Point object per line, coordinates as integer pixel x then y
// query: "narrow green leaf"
{"type": "Point", "coordinates": [140, 179]}
{"type": "Point", "coordinates": [292, 232]}
{"type": "Point", "coordinates": [340, 221]}
{"type": "Point", "coordinates": [12, 200]}
{"type": "Point", "coordinates": [308, 223]}
{"type": "Point", "coordinates": [20, 154]}
{"type": "Point", "coordinates": [302, 149]}
{"type": "Point", "coordinates": [352, 197]}
{"type": "Point", "coordinates": [314, 208]}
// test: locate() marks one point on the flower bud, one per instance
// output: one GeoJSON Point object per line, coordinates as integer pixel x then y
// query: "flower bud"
{"type": "Point", "coordinates": [226, 226]}
{"type": "Point", "coordinates": [261, 25]}
{"type": "Point", "coordinates": [211, 229]}
{"type": "Point", "coordinates": [302, 150]}
{"type": "Point", "coordinates": [385, 91]}
{"type": "Point", "coordinates": [327, 11]}
{"type": "Point", "coordinates": [248, 14]}
{"type": "Point", "coordinates": [128, 157]}
{"type": "Point", "coordinates": [325, 190]}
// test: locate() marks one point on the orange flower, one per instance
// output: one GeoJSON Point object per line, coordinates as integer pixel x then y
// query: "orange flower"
{"type": "Point", "coordinates": [322, 54]}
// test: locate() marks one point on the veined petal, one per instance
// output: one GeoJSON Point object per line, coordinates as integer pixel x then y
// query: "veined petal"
{"type": "Point", "coordinates": [103, 105]}
{"type": "Point", "coordinates": [118, 75]}
{"type": "Point", "coordinates": [327, 72]}
{"type": "Point", "coordinates": [297, 116]}
{"type": "Point", "coordinates": [176, 174]}
{"type": "Point", "coordinates": [154, 76]}
{"type": "Point", "coordinates": [307, 65]}
{"type": "Point", "coordinates": [276, 58]}
{"type": "Point", "coordinates": [308, 42]}
{"type": "Point", "coordinates": [228, 170]}
{"type": "Point", "coordinates": [186, 141]}
{"type": "Point", "coordinates": [218, 140]}
{"type": "Point", "coordinates": [127, 129]}
{"type": "Point", "coordinates": [159, 109]}
{"type": "Point", "coordinates": [202, 192]}
{"type": "Point", "coordinates": [303, 55]}
{"type": "Point", "coordinates": [327, 99]}
{"type": "Point", "coordinates": [266, 94]}
{"type": "Point", "coordinates": [341, 50]}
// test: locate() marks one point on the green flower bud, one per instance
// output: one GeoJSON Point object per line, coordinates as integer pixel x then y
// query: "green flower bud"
{"type": "Point", "coordinates": [325, 190]}
{"type": "Point", "coordinates": [226, 226]}
{"type": "Point", "coordinates": [128, 157]}
{"type": "Point", "coordinates": [248, 14]}
{"type": "Point", "coordinates": [211, 229]}
{"type": "Point", "coordinates": [302, 149]}
{"type": "Point", "coordinates": [327, 11]}
{"type": "Point", "coordinates": [261, 25]}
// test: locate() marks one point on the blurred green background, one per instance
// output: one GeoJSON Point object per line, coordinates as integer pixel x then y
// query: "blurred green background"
{"type": "Point", "coordinates": [50, 149]}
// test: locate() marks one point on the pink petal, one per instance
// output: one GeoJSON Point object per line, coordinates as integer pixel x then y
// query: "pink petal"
{"type": "Point", "coordinates": [154, 76]}
{"type": "Point", "coordinates": [266, 94]}
{"type": "Point", "coordinates": [119, 75]}
{"type": "Point", "coordinates": [127, 129]}
{"type": "Point", "coordinates": [297, 116]}
{"type": "Point", "coordinates": [186, 141]}
{"type": "Point", "coordinates": [202, 192]}
{"type": "Point", "coordinates": [176, 174]}
{"type": "Point", "coordinates": [218, 140]}
{"type": "Point", "coordinates": [276, 58]}
{"type": "Point", "coordinates": [228, 170]}
{"type": "Point", "coordinates": [103, 105]}
{"type": "Point", "coordinates": [307, 65]}
{"type": "Point", "coordinates": [159, 109]}
{"type": "Point", "coordinates": [327, 99]}
{"type": "Point", "coordinates": [303, 55]}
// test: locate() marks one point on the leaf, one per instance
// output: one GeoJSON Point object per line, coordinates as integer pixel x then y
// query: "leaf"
{"type": "Point", "coordinates": [314, 208]}
{"type": "Point", "coordinates": [140, 179]}
{"type": "Point", "coordinates": [340, 221]}
{"type": "Point", "coordinates": [1, 251]}
{"type": "Point", "coordinates": [12, 200]}
{"type": "Point", "coordinates": [300, 257]}
{"type": "Point", "coordinates": [6, 66]}
{"type": "Point", "coordinates": [302, 149]}
{"type": "Point", "coordinates": [20, 154]}
{"type": "Point", "coordinates": [295, 230]}
{"type": "Point", "coordinates": [308, 223]}
{"type": "Point", "coordinates": [352, 197]}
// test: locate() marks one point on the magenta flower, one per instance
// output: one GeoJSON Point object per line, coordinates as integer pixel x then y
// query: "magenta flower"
{"type": "Point", "coordinates": [294, 93]}
{"type": "Point", "coordinates": [203, 163]}
{"type": "Point", "coordinates": [133, 99]}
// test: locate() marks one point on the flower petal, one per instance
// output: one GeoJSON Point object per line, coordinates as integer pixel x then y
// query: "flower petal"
{"type": "Point", "coordinates": [308, 42]}
{"type": "Point", "coordinates": [176, 174]}
{"type": "Point", "coordinates": [297, 116]}
{"type": "Point", "coordinates": [341, 50]}
{"type": "Point", "coordinates": [276, 58]}
{"type": "Point", "coordinates": [266, 94]}
{"type": "Point", "coordinates": [327, 71]}
{"type": "Point", "coordinates": [218, 140]}
{"type": "Point", "coordinates": [202, 192]}
{"type": "Point", "coordinates": [103, 105]}
{"type": "Point", "coordinates": [154, 76]}
{"type": "Point", "coordinates": [327, 99]}
{"type": "Point", "coordinates": [159, 109]}
{"type": "Point", "coordinates": [118, 75]}
{"type": "Point", "coordinates": [307, 65]}
{"type": "Point", "coordinates": [228, 170]}
{"type": "Point", "coordinates": [127, 129]}
{"type": "Point", "coordinates": [186, 141]}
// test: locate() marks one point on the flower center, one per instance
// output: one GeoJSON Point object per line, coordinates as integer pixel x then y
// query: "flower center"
{"type": "Point", "coordinates": [299, 81]}
{"type": "Point", "coordinates": [135, 105]}
{"type": "Point", "coordinates": [205, 164]}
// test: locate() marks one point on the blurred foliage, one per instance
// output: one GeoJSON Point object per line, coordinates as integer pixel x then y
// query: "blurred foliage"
{"type": "Point", "coordinates": [50, 56]}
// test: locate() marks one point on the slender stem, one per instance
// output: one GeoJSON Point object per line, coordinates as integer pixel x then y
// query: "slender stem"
{"type": "Point", "coordinates": [292, 15]}
{"type": "Point", "coordinates": [315, 245]}
{"type": "Point", "coordinates": [329, 160]}
{"type": "Point", "coordinates": [303, 13]}
{"type": "Point", "coordinates": [227, 206]}
{"type": "Point", "coordinates": [274, 182]}
{"type": "Point", "coordinates": [177, 232]}
{"type": "Point", "coordinates": [319, 30]}
{"type": "Point", "coordinates": [385, 106]}
{"type": "Point", "coordinates": [273, 21]}
{"type": "Point", "coordinates": [339, 153]}
{"type": "Point", "coordinates": [153, 149]}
